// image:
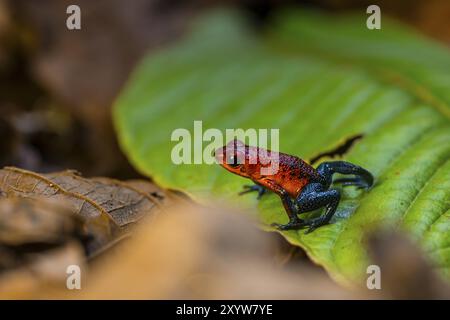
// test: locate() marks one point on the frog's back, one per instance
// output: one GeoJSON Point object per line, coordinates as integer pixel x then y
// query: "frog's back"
{"type": "Point", "coordinates": [294, 174]}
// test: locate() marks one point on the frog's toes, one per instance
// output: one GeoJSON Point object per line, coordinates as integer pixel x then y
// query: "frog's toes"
{"type": "Point", "coordinates": [250, 188]}
{"type": "Point", "coordinates": [313, 224]}
{"type": "Point", "coordinates": [289, 226]}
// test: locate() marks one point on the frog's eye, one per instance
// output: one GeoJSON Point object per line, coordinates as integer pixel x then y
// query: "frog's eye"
{"type": "Point", "coordinates": [233, 161]}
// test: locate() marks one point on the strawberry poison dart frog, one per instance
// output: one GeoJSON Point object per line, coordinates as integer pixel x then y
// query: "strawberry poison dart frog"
{"type": "Point", "coordinates": [301, 187]}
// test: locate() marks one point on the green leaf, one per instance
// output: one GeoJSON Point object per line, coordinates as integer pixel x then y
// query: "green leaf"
{"type": "Point", "coordinates": [319, 80]}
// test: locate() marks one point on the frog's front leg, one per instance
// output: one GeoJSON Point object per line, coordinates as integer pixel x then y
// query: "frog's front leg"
{"type": "Point", "coordinates": [292, 210]}
{"type": "Point", "coordinates": [289, 205]}
{"type": "Point", "coordinates": [256, 187]}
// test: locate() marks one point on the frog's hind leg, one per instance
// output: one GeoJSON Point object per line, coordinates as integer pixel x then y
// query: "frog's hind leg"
{"type": "Point", "coordinates": [251, 188]}
{"type": "Point", "coordinates": [314, 197]}
{"type": "Point", "coordinates": [363, 178]}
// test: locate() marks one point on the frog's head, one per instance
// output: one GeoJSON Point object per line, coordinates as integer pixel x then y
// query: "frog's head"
{"type": "Point", "coordinates": [234, 157]}
{"type": "Point", "coordinates": [247, 161]}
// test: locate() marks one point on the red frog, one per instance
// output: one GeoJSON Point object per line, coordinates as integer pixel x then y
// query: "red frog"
{"type": "Point", "coordinates": [301, 187]}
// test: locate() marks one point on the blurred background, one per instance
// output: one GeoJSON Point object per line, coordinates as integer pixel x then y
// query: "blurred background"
{"type": "Point", "coordinates": [56, 91]}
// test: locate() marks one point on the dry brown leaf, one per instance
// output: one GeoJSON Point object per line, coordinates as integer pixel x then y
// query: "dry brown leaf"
{"type": "Point", "coordinates": [49, 220]}
{"type": "Point", "coordinates": [107, 206]}
{"type": "Point", "coordinates": [39, 239]}
{"type": "Point", "coordinates": [96, 198]}
{"type": "Point", "coordinates": [24, 221]}
{"type": "Point", "coordinates": [30, 227]}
